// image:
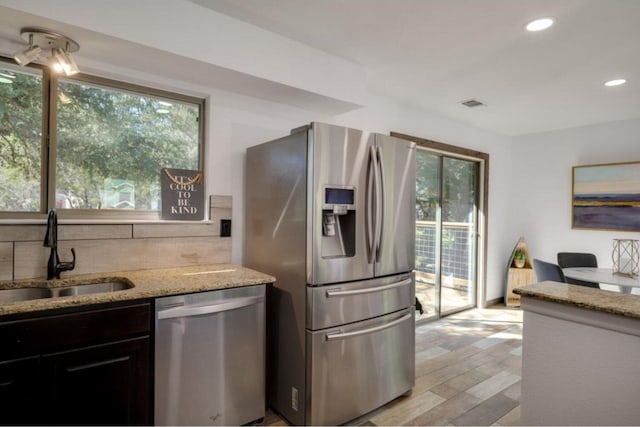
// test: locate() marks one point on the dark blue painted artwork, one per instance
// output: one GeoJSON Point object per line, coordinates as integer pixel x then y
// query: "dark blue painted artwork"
{"type": "Point", "coordinates": [607, 196]}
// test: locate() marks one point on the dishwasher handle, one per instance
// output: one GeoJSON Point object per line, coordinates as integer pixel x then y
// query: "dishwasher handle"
{"type": "Point", "coordinates": [199, 310]}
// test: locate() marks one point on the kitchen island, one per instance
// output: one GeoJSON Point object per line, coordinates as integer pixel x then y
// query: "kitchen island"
{"type": "Point", "coordinates": [580, 361]}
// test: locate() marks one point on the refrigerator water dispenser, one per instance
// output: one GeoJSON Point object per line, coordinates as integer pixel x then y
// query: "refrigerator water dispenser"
{"type": "Point", "coordinates": [338, 223]}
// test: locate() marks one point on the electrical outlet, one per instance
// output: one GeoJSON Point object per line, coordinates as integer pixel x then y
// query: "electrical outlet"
{"type": "Point", "coordinates": [225, 228]}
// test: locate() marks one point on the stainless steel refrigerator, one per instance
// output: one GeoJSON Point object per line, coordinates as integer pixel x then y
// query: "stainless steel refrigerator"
{"type": "Point", "coordinates": [330, 212]}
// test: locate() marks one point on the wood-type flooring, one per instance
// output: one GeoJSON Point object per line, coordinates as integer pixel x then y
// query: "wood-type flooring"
{"type": "Point", "coordinates": [468, 369]}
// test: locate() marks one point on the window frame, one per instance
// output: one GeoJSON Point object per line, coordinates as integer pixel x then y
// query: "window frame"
{"type": "Point", "coordinates": [48, 151]}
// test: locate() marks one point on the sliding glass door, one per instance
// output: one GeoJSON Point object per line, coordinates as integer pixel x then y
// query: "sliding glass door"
{"type": "Point", "coordinates": [447, 190]}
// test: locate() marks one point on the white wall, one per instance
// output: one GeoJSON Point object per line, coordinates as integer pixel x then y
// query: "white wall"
{"type": "Point", "coordinates": [240, 122]}
{"type": "Point", "coordinates": [129, 47]}
{"type": "Point", "coordinates": [236, 127]}
{"type": "Point", "coordinates": [541, 190]}
{"type": "Point", "coordinates": [236, 123]}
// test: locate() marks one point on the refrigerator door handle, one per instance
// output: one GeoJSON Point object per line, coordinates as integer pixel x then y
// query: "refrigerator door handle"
{"type": "Point", "coordinates": [371, 168]}
{"type": "Point", "coordinates": [340, 293]}
{"type": "Point", "coordinates": [344, 335]}
{"type": "Point", "coordinates": [382, 201]}
{"type": "Point", "coordinates": [377, 200]}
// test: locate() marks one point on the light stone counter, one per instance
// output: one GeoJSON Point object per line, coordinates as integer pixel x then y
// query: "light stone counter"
{"type": "Point", "coordinates": [584, 297]}
{"type": "Point", "coordinates": [146, 284]}
{"type": "Point", "coordinates": [579, 356]}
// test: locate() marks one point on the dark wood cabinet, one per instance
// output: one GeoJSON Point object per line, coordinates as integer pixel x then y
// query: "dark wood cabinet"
{"type": "Point", "coordinates": [103, 384]}
{"type": "Point", "coordinates": [82, 368]}
{"type": "Point", "coordinates": [19, 380]}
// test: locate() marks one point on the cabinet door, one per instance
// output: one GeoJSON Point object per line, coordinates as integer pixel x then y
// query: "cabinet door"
{"type": "Point", "coordinates": [104, 384]}
{"type": "Point", "coordinates": [18, 391]}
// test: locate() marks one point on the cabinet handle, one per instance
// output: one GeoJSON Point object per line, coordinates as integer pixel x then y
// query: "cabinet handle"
{"type": "Point", "coordinates": [96, 364]}
{"type": "Point", "coordinates": [339, 293]}
{"type": "Point", "coordinates": [340, 336]}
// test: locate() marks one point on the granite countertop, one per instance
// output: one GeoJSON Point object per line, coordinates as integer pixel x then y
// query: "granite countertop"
{"type": "Point", "coordinates": [581, 296]}
{"type": "Point", "coordinates": [146, 284]}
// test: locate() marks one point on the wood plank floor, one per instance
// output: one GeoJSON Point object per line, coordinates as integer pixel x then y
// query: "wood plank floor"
{"type": "Point", "coordinates": [468, 369]}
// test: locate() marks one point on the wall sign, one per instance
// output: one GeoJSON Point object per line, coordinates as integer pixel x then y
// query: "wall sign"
{"type": "Point", "coordinates": [182, 194]}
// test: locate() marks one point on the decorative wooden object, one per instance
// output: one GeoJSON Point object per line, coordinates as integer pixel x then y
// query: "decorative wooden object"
{"type": "Point", "coordinates": [518, 276]}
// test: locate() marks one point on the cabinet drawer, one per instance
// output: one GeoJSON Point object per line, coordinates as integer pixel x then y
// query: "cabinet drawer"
{"type": "Point", "coordinates": [105, 384]}
{"type": "Point", "coordinates": [52, 333]}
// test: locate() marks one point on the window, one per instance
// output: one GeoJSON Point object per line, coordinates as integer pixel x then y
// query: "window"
{"type": "Point", "coordinates": [107, 143]}
{"type": "Point", "coordinates": [21, 123]}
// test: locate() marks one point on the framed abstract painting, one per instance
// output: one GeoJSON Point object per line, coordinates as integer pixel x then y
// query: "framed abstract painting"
{"type": "Point", "coordinates": [606, 196]}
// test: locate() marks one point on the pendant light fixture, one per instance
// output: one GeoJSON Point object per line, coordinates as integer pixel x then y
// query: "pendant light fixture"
{"type": "Point", "coordinates": [43, 42]}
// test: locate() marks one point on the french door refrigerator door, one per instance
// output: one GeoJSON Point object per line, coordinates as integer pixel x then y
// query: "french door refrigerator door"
{"type": "Point", "coordinates": [373, 236]}
{"type": "Point", "coordinates": [339, 160]}
{"type": "Point", "coordinates": [356, 368]}
{"type": "Point", "coordinates": [395, 250]}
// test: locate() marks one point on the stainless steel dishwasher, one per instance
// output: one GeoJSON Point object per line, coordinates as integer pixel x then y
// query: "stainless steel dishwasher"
{"type": "Point", "coordinates": [210, 357]}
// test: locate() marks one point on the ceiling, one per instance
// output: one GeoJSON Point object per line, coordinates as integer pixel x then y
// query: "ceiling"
{"type": "Point", "coordinates": [434, 54]}
{"type": "Point", "coordinates": [429, 55]}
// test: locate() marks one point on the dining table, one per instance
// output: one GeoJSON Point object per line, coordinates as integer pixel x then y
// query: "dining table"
{"type": "Point", "coordinates": [603, 275]}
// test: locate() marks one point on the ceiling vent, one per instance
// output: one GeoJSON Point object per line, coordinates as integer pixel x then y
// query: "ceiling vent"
{"type": "Point", "coordinates": [472, 103]}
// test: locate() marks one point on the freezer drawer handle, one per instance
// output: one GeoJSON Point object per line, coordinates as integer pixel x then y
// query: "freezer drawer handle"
{"type": "Point", "coordinates": [199, 310]}
{"type": "Point", "coordinates": [341, 336]}
{"type": "Point", "coordinates": [338, 293]}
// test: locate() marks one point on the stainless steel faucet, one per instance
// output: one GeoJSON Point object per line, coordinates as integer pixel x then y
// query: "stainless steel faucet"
{"type": "Point", "coordinates": [54, 266]}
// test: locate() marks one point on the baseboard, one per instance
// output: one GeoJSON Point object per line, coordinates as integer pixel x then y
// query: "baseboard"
{"type": "Point", "coordinates": [495, 301]}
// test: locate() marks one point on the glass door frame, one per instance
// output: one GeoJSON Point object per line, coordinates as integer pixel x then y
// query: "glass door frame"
{"type": "Point", "coordinates": [482, 198]}
{"type": "Point", "coordinates": [474, 232]}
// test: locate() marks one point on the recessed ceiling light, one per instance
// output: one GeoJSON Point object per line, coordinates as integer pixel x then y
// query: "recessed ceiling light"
{"type": "Point", "coordinates": [539, 24]}
{"type": "Point", "coordinates": [615, 82]}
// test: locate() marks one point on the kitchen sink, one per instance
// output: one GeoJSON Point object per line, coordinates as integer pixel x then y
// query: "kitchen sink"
{"type": "Point", "coordinates": [94, 288]}
{"type": "Point", "coordinates": [23, 294]}
{"type": "Point", "coordinates": [27, 294]}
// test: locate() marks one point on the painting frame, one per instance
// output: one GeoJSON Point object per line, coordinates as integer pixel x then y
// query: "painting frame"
{"type": "Point", "coordinates": [606, 196]}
